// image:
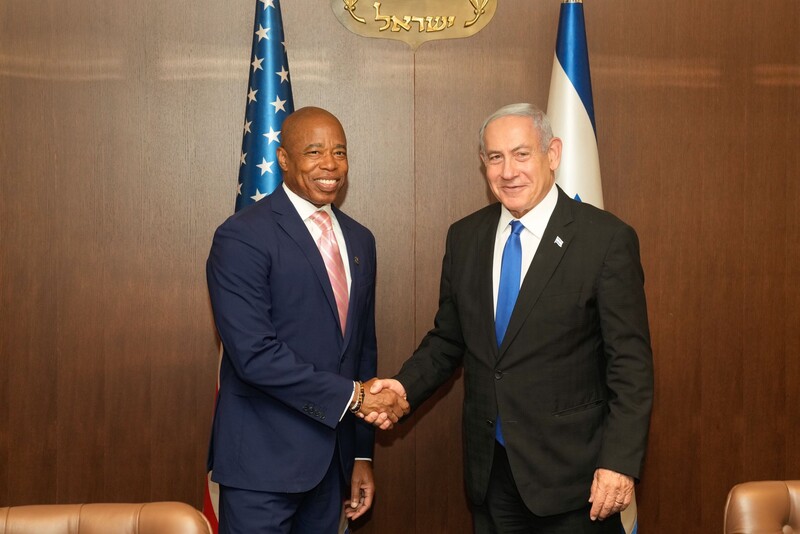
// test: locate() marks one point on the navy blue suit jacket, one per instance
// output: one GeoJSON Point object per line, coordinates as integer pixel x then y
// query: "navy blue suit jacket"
{"type": "Point", "coordinates": [287, 371]}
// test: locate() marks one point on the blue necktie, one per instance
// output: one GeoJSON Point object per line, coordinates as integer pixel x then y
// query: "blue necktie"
{"type": "Point", "coordinates": [510, 273]}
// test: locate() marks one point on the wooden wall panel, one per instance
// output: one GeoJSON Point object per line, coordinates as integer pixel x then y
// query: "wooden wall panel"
{"type": "Point", "coordinates": [693, 111]}
{"type": "Point", "coordinates": [112, 149]}
{"type": "Point", "coordinates": [120, 126]}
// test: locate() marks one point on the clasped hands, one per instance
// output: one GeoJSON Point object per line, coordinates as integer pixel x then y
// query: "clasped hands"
{"type": "Point", "coordinates": [384, 403]}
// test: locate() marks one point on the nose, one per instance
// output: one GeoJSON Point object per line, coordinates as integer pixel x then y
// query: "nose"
{"type": "Point", "coordinates": [328, 161]}
{"type": "Point", "coordinates": [509, 169]}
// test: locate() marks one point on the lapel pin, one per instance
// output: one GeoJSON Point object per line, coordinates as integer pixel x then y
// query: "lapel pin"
{"type": "Point", "coordinates": [355, 259]}
{"type": "Point", "coordinates": [559, 241]}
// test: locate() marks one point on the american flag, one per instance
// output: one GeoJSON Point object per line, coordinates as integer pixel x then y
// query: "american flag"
{"type": "Point", "coordinates": [269, 101]}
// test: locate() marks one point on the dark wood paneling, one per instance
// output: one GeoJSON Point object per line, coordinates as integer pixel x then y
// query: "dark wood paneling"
{"type": "Point", "coordinates": [28, 339]}
{"type": "Point", "coordinates": [692, 121]}
{"type": "Point", "coordinates": [112, 168]}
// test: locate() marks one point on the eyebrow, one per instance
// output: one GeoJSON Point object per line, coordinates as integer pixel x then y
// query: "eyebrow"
{"type": "Point", "coordinates": [515, 149]}
{"type": "Point", "coordinates": [319, 145]}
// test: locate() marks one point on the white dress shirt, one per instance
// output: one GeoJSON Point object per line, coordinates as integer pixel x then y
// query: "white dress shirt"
{"type": "Point", "coordinates": [306, 209]}
{"type": "Point", "coordinates": [535, 222]}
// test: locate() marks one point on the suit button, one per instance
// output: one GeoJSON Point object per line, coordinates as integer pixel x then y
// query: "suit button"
{"type": "Point", "coordinates": [490, 422]}
{"type": "Point", "coordinates": [498, 375]}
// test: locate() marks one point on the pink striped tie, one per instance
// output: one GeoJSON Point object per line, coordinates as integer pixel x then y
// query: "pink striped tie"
{"type": "Point", "coordinates": [329, 249]}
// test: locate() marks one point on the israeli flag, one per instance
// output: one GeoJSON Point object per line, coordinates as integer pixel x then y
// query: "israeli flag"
{"type": "Point", "coordinates": [571, 110]}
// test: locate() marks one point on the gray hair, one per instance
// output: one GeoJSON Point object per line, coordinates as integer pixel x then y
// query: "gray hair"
{"type": "Point", "coordinates": [539, 118]}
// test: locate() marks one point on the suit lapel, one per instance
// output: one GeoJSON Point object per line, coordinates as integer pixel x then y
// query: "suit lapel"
{"type": "Point", "coordinates": [287, 218]}
{"type": "Point", "coordinates": [549, 254]}
{"type": "Point", "coordinates": [484, 250]}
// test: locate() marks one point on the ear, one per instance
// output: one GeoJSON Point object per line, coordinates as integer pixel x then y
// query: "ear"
{"type": "Point", "coordinates": [282, 158]}
{"type": "Point", "coordinates": [554, 153]}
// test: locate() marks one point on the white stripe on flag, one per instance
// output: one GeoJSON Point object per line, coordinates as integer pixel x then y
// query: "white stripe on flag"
{"type": "Point", "coordinates": [629, 519]}
{"type": "Point", "coordinates": [579, 171]}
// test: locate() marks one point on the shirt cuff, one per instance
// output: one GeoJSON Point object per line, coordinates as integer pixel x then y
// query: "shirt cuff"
{"type": "Point", "coordinates": [349, 403]}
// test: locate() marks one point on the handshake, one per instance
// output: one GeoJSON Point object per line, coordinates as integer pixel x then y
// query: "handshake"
{"type": "Point", "coordinates": [384, 403]}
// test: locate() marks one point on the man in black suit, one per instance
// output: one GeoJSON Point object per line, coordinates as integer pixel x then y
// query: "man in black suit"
{"type": "Point", "coordinates": [558, 379]}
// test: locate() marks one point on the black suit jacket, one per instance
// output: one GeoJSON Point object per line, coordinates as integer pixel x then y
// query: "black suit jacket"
{"type": "Point", "coordinates": [573, 379]}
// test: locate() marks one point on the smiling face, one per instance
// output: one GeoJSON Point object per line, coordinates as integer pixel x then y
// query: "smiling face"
{"type": "Point", "coordinates": [519, 173]}
{"type": "Point", "coordinates": [313, 155]}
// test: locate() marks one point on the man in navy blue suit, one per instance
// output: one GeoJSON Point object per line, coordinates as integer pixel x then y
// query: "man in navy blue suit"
{"type": "Point", "coordinates": [292, 286]}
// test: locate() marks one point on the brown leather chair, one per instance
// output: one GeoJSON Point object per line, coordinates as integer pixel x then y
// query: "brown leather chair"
{"type": "Point", "coordinates": [143, 518]}
{"type": "Point", "coordinates": [764, 507]}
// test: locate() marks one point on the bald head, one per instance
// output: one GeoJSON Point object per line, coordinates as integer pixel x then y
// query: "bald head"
{"type": "Point", "coordinates": [313, 155]}
{"type": "Point", "coordinates": [304, 118]}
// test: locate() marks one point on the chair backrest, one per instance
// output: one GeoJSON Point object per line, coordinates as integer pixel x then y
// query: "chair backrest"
{"type": "Point", "coordinates": [763, 507]}
{"type": "Point", "coordinates": [142, 518]}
